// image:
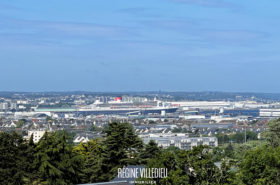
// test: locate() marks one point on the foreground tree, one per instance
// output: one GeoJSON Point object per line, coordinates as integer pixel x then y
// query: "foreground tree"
{"type": "Point", "coordinates": [133, 145]}
{"type": "Point", "coordinates": [261, 166]}
{"type": "Point", "coordinates": [30, 175]}
{"type": "Point", "coordinates": [114, 152]}
{"type": "Point", "coordinates": [91, 152]}
{"type": "Point", "coordinates": [12, 158]}
{"type": "Point", "coordinates": [166, 160]}
{"type": "Point", "coordinates": [151, 150]}
{"type": "Point", "coordinates": [55, 161]}
{"type": "Point", "coordinates": [240, 152]}
{"type": "Point", "coordinates": [272, 135]}
{"type": "Point", "coordinates": [69, 136]}
{"type": "Point", "coordinates": [229, 151]}
{"type": "Point", "coordinates": [121, 147]}
{"type": "Point", "coordinates": [190, 167]}
{"type": "Point", "coordinates": [218, 154]}
{"type": "Point", "coordinates": [200, 168]}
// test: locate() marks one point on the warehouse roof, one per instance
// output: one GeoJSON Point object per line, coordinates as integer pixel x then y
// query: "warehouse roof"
{"type": "Point", "coordinates": [54, 110]}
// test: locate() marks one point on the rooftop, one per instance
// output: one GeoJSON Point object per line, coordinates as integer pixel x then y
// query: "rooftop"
{"type": "Point", "coordinates": [54, 110]}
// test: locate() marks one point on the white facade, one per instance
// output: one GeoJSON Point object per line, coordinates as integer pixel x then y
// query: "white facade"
{"type": "Point", "coordinates": [78, 102]}
{"type": "Point", "coordinates": [200, 104]}
{"type": "Point", "coordinates": [13, 106]}
{"type": "Point", "coordinates": [270, 112]}
{"type": "Point", "coordinates": [22, 102]}
{"type": "Point", "coordinates": [133, 99]}
{"type": "Point", "coordinates": [183, 142]}
{"type": "Point", "coordinates": [217, 105]}
{"type": "Point", "coordinates": [37, 134]}
{"type": "Point", "coordinates": [81, 138]}
{"type": "Point", "coordinates": [3, 105]}
{"type": "Point", "coordinates": [255, 106]}
{"type": "Point", "coordinates": [145, 134]}
{"type": "Point", "coordinates": [193, 117]}
{"type": "Point", "coordinates": [21, 107]}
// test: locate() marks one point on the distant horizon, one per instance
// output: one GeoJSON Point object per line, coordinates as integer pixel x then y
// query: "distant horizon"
{"type": "Point", "coordinates": [131, 91]}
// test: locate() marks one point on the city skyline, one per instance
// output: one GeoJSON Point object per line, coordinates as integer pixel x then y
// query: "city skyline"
{"type": "Point", "coordinates": [172, 45]}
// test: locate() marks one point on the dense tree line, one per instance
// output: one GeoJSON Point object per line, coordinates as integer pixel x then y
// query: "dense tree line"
{"type": "Point", "coordinates": [55, 160]}
{"type": "Point", "coordinates": [236, 138]}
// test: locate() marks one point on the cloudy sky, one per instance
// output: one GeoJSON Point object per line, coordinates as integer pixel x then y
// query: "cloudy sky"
{"type": "Point", "coordinates": [140, 45]}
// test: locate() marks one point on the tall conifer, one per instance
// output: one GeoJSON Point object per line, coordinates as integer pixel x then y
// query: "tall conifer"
{"type": "Point", "coordinates": [151, 150]}
{"type": "Point", "coordinates": [12, 158]}
{"type": "Point", "coordinates": [114, 152]}
{"type": "Point", "coordinates": [56, 162]}
{"type": "Point", "coordinates": [30, 175]}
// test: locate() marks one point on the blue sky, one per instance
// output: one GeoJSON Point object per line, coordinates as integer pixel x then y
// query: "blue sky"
{"type": "Point", "coordinates": [124, 45]}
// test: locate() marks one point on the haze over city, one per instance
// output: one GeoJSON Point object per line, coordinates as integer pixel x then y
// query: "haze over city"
{"type": "Point", "coordinates": [172, 45]}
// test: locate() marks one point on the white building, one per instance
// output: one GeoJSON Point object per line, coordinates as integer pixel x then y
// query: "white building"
{"type": "Point", "coordinates": [146, 134]}
{"type": "Point", "coordinates": [37, 134]}
{"type": "Point", "coordinates": [199, 104]}
{"type": "Point", "coordinates": [79, 102]}
{"type": "Point", "coordinates": [22, 102]}
{"type": "Point", "coordinates": [183, 142]}
{"type": "Point", "coordinates": [133, 99]}
{"type": "Point", "coordinates": [257, 105]}
{"type": "Point", "coordinates": [3, 105]}
{"type": "Point", "coordinates": [21, 107]}
{"type": "Point", "coordinates": [81, 138]}
{"type": "Point", "coordinates": [13, 106]}
{"type": "Point", "coordinates": [193, 117]}
{"type": "Point", "coordinates": [270, 112]}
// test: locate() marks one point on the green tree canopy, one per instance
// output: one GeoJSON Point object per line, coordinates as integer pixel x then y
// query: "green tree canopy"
{"type": "Point", "coordinates": [20, 123]}
{"type": "Point", "coordinates": [190, 167]}
{"type": "Point", "coordinates": [176, 130]}
{"type": "Point", "coordinates": [122, 147]}
{"type": "Point", "coordinates": [92, 128]}
{"type": "Point", "coordinates": [226, 139]}
{"type": "Point", "coordinates": [272, 135]}
{"type": "Point", "coordinates": [152, 122]}
{"type": "Point", "coordinates": [69, 135]}
{"type": "Point", "coordinates": [174, 149]}
{"type": "Point", "coordinates": [55, 161]}
{"type": "Point", "coordinates": [229, 151]}
{"type": "Point", "coordinates": [12, 158]}
{"type": "Point", "coordinates": [166, 159]}
{"type": "Point", "coordinates": [199, 166]}
{"type": "Point", "coordinates": [92, 153]}
{"type": "Point", "coordinates": [251, 135]}
{"type": "Point", "coordinates": [238, 137]}
{"type": "Point", "coordinates": [261, 166]}
{"type": "Point", "coordinates": [218, 154]}
{"type": "Point", "coordinates": [151, 150]}
{"type": "Point", "coordinates": [30, 176]}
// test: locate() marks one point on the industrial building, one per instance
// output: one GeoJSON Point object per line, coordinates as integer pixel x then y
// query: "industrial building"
{"type": "Point", "coordinates": [269, 112]}
{"type": "Point", "coordinates": [199, 104]}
